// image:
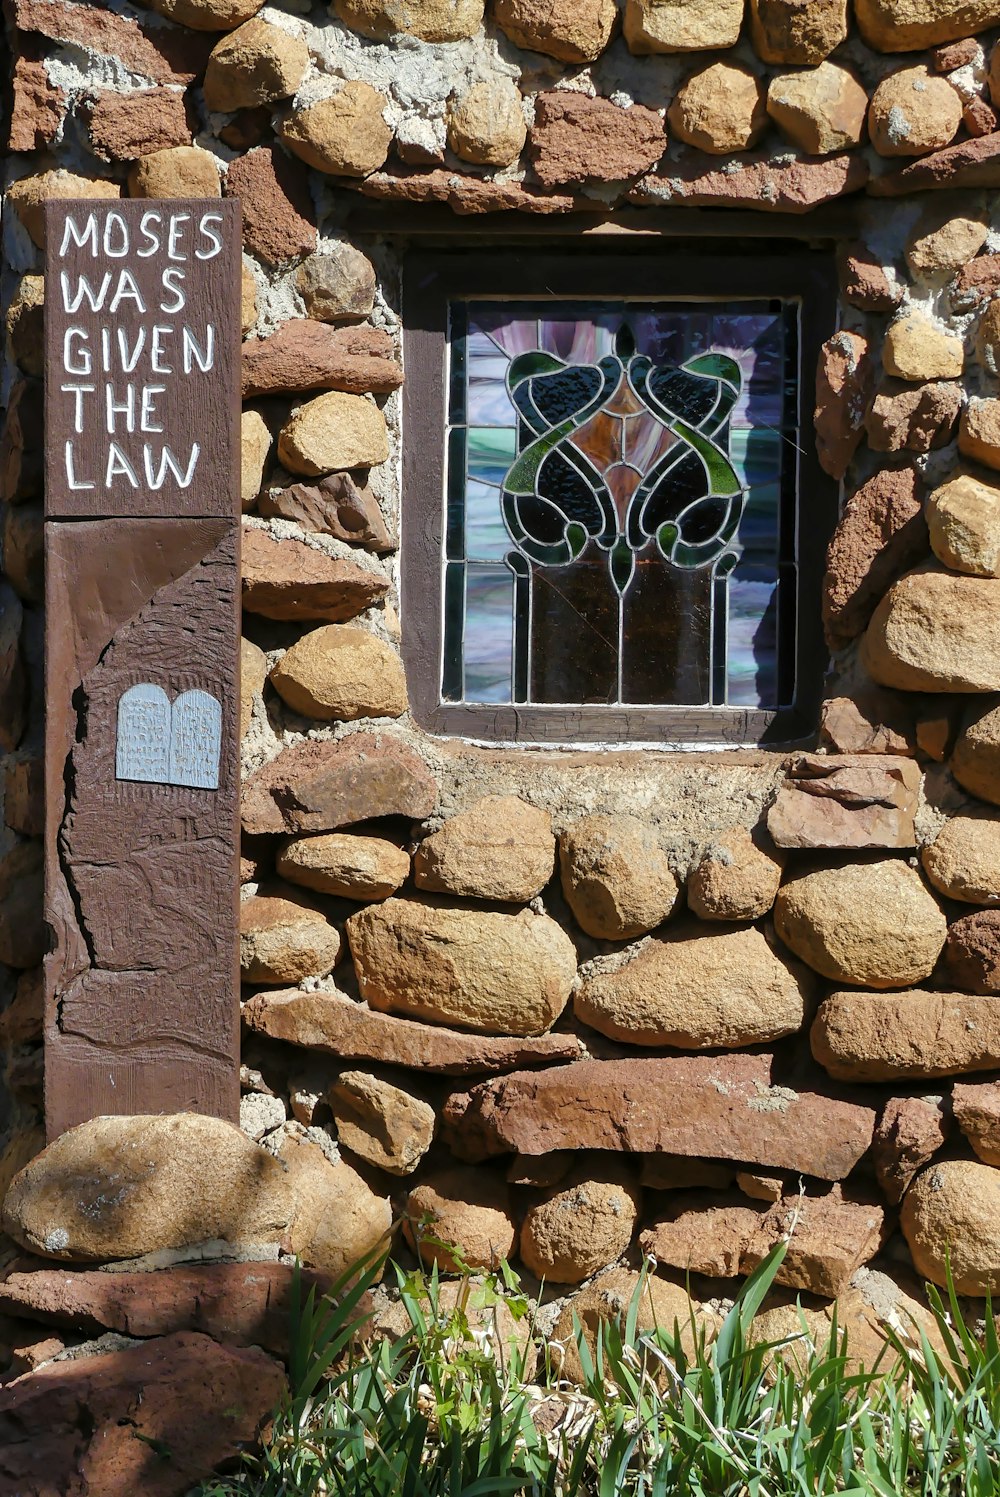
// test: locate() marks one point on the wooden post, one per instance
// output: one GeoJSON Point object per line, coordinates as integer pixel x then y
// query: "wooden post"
{"type": "Point", "coordinates": [142, 405]}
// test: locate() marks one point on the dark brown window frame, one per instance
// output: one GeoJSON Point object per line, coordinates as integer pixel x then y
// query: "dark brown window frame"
{"type": "Point", "coordinates": [430, 280]}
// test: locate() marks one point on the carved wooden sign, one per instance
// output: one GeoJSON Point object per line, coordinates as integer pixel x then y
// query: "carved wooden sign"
{"type": "Point", "coordinates": [142, 686]}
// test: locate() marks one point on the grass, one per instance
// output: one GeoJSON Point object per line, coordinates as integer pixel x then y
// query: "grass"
{"type": "Point", "coordinates": [448, 1410]}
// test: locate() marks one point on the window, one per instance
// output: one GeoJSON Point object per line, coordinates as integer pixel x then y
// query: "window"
{"type": "Point", "coordinates": [609, 544]}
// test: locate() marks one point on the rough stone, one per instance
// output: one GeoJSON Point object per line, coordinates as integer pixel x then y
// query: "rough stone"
{"type": "Point", "coordinates": [949, 1219]}
{"type": "Point", "coordinates": [461, 1217]}
{"type": "Point", "coordinates": [340, 673]}
{"type": "Point", "coordinates": [308, 355]}
{"type": "Point", "coordinates": [942, 243]}
{"type": "Point", "coordinates": [22, 442]}
{"type": "Point", "coordinates": [492, 973]}
{"type": "Point", "coordinates": [571, 30]}
{"type": "Point", "coordinates": [963, 861]}
{"type": "Point", "coordinates": [760, 1187]}
{"type": "Point", "coordinates": [23, 549]}
{"type": "Point", "coordinates": [345, 135]}
{"type": "Point", "coordinates": [253, 674]}
{"type": "Point", "coordinates": [870, 721]}
{"type": "Point", "coordinates": [978, 117]}
{"type": "Point", "coordinates": [13, 681]}
{"type": "Point", "coordinates": [661, 1304]}
{"type": "Point", "coordinates": [338, 286]}
{"type": "Point", "coordinates": [255, 64]}
{"type": "Point", "coordinates": [381, 1123]}
{"type": "Point", "coordinates": [971, 957]}
{"type": "Point", "coordinates": [37, 106]}
{"type": "Point", "coordinates": [913, 418]}
{"type": "Point", "coordinates": [23, 932]}
{"type": "Point", "coordinates": [206, 15]}
{"type": "Point", "coordinates": [615, 876]}
{"type": "Point", "coordinates": [279, 222]}
{"type": "Point", "coordinates": [121, 1187]}
{"type": "Point", "coordinates": [916, 350]}
{"type": "Point", "coordinates": [333, 431]}
{"type": "Point", "coordinates": [576, 139]}
{"type": "Point", "coordinates": [260, 1115]}
{"type": "Point", "coordinates": [428, 20]}
{"type": "Point", "coordinates": [971, 163]}
{"type": "Point", "coordinates": [143, 44]}
{"type": "Point", "coordinates": [335, 1025]}
{"type": "Point", "coordinates": [870, 923]}
{"type": "Point", "coordinates": [800, 32]}
{"type": "Point", "coordinates": [345, 864]}
{"type": "Point", "coordinates": [24, 796]}
{"type": "Point", "coordinates": [881, 533]}
{"type": "Point", "coordinates": [284, 939]}
{"type": "Point", "coordinates": [863, 279]}
{"type": "Point", "coordinates": [913, 1036]}
{"type": "Point", "coordinates": [24, 323]}
{"type": "Point", "coordinates": [682, 25]}
{"type": "Point", "coordinates": [248, 300]}
{"type": "Point", "coordinates": [486, 123]}
{"type": "Point", "coordinates": [339, 1219]}
{"type": "Point", "coordinates": [500, 848]}
{"type": "Point", "coordinates": [976, 1109]}
{"type": "Point", "coordinates": [979, 432]}
{"type": "Point", "coordinates": [28, 196]}
{"type": "Point", "coordinates": [123, 127]}
{"type": "Point", "coordinates": [674, 1172]}
{"type": "Point", "coordinates": [847, 801]}
{"type": "Point", "coordinates": [101, 1423]}
{"type": "Point", "coordinates": [255, 447]}
{"type": "Point", "coordinates": [822, 110]}
{"type": "Point", "coordinates": [335, 506]}
{"type": "Point", "coordinates": [318, 787]}
{"type": "Point", "coordinates": [466, 192]}
{"type": "Point", "coordinates": [720, 108]}
{"type": "Point", "coordinates": [934, 631]}
{"type": "Point", "coordinates": [963, 518]}
{"type": "Point", "coordinates": [748, 1108]}
{"type": "Point", "coordinates": [694, 989]}
{"type": "Point", "coordinates": [913, 113]}
{"type": "Point", "coordinates": [910, 1132]}
{"type": "Point", "coordinates": [766, 184]}
{"type": "Point", "coordinates": [736, 878]}
{"type": "Point", "coordinates": [845, 380]}
{"type": "Point", "coordinates": [988, 338]}
{"type": "Point", "coordinates": [583, 1225]}
{"type": "Point", "coordinates": [953, 55]}
{"type": "Point", "coordinates": [287, 579]}
{"type": "Point", "coordinates": [176, 172]}
{"type": "Point", "coordinates": [911, 25]}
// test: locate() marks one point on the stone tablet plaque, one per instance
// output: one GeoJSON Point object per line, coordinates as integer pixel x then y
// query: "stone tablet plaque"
{"type": "Point", "coordinates": [142, 674]}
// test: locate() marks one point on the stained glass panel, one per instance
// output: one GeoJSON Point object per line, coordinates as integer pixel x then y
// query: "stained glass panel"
{"type": "Point", "coordinates": [620, 500]}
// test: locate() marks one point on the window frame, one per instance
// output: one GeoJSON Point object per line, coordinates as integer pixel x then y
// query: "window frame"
{"type": "Point", "coordinates": [433, 279]}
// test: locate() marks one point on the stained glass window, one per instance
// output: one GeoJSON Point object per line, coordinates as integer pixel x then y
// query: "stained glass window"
{"type": "Point", "coordinates": [620, 493]}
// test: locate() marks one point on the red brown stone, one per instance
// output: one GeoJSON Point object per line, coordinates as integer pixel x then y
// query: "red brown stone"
{"type": "Point", "coordinates": [37, 106]}
{"type": "Point", "coordinates": [13, 680]}
{"type": "Point", "coordinates": [872, 720]}
{"type": "Point", "coordinates": [909, 1133]}
{"type": "Point", "coordinates": [468, 194]}
{"type": "Point", "coordinates": [318, 787]}
{"type": "Point", "coordinates": [167, 54]}
{"type": "Point", "coordinates": [971, 163]}
{"type": "Point", "coordinates": [971, 957]}
{"type": "Point", "coordinates": [279, 221]}
{"type": "Point", "coordinates": [125, 126]}
{"type": "Point", "coordinates": [978, 117]}
{"type": "Point", "coordinates": [22, 443]}
{"type": "Point", "coordinates": [977, 281]}
{"type": "Point", "coordinates": [976, 1107]}
{"type": "Point", "coordinates": [845, 383]}
{"type": "Point", "coordinates": [308, 355]}
{"type": "Point", "coordinates": [952, 55]}
{"type": "Point", "coordinates": [247, 128]}
{"type": "Point", "coordinates": [881, 534]}
{"type": "Point", "coordinates": [291, 580]}
{"type": "Point", "coordinates": [863, 280]}
{"type": "Point", "coordinates": [336, 1025]}
{"type": "Point", "coordinates": [773, 185]}
{"type": "Point", "coordinates": [576, 139]}
{"type": "Point", "coordinates": [23, 938]}
{"type": "Point", "coordinates": [24, 550]}
{"type": "Point", "coordinates": [742, 1107]}
{"type": "Point", "coordinates": [106, 1423]}
{"type": "Point", "coordinates": [336, 506]}
{"type": "Point", "coordinates": [21, 1020]}
{"type": "Point", "coordinates": [24, 796]}
{"type": "Point", "coordinates": [913, 418]}
{"type": "Point", "coordinates": [854, 801]}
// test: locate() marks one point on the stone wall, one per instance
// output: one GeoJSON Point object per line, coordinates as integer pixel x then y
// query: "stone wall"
{"type": "Point", "coordinates": [571, 1006]}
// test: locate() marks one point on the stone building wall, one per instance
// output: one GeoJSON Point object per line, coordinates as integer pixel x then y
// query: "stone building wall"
{"type": "Point", "coordinates": [575, 1006]}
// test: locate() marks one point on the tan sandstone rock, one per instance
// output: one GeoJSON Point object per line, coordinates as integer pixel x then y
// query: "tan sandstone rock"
{"type": "Point", "coordinates": [340, 673]}
{"type": "Point", "coordinates": [963, 862]}
{"type": "Point", "coordinates": [850, 800]}
{"type": "Point", "coordinates": [979, 432]}
{"type": "Point", "coordinates": [662, 1304]}
{"type": "Point", "coordinates": [345, 134]}
{"type": "Point", "coordinates": [177, 172]}
{"type": "Point", "coordinates": [873, 923]}
{"type": "Point", "coordinates": [255, 446]}
{"type": "Point", "coordinates": [339, 1219]}
{"type": "Point", "coordinates": [428, 20]}
{"type": "Point", "coordinates": [822, 110]}
{"type": "Point", "coordinates": [913, 1036]}
{"type": "Point", "coordinates": [207, 15]}
{"type": "Point", "coordinates": [942, 243]}
{"type": "Point", "coordinates": [988, 338]}
{"type": "Point", "coordinates": [913, 112]}
{"type": "Point", "coordinates": [337, 286]}
{"type": "Point", "coordinates": [283, 939]}
{"type": "Point", "coordinates": [910, 25]}
{"type": "Point", "coordinates": [344, 864]}
{"type": "Point", "coordinates": [248, 300]}
{"type": "Point", "coordinates": [381, 1123]}
{"type": "Point", "coordinates": [253, 674]}
{"type": "Point", "coordinates": [570, 30]}
{"type": "Point", "coordinates": [615, 876]}
{"type": "Point", "coordinates": [492, 973]}
{"type": "Point", "coordinates": [976, 1108]}
{"type": "Point", "coordinates": [486, 124]}
{"type": "Point", "coordinates": [682, 25]}
{"type": "Point", "coordinates": [24, 322]}
{"type": "Point", "coordinates": [963, 518]}
{"type": "Point", "coordinates": [737, 877]}
{"type": "Point", "coordinates": [582, 1226]}
{"type": "Point", "coordinates": [801, 32]}
{"type": "Point", "coordinates": [317, 786]}
{"type": "Point", "coordinates": [720, 108]}
{"type": "Point", "coordinates": [461, 1216]}
{"type": "Point", "coordinates": [916, 350]}
{"type": "Point", "coordinates": [500, 848]}
{"type": "Point", "coordinates": [936, 632]}
{"type": "Point", "coordinates": [694, 989]}
{"type": "Point", "coordinates": [975, 760]}
{"type": "Point", "coordinates": [255, 64]}
{"type": "Point", "coordinates": [949, 1218]}
{"type": "Point", "coordinates": [331, 432]}
{"type": "Point", "coordinates": [28, 196]}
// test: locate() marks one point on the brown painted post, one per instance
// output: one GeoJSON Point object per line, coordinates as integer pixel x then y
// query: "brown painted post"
{"type": "Point", "coordinates": [142, 676]}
